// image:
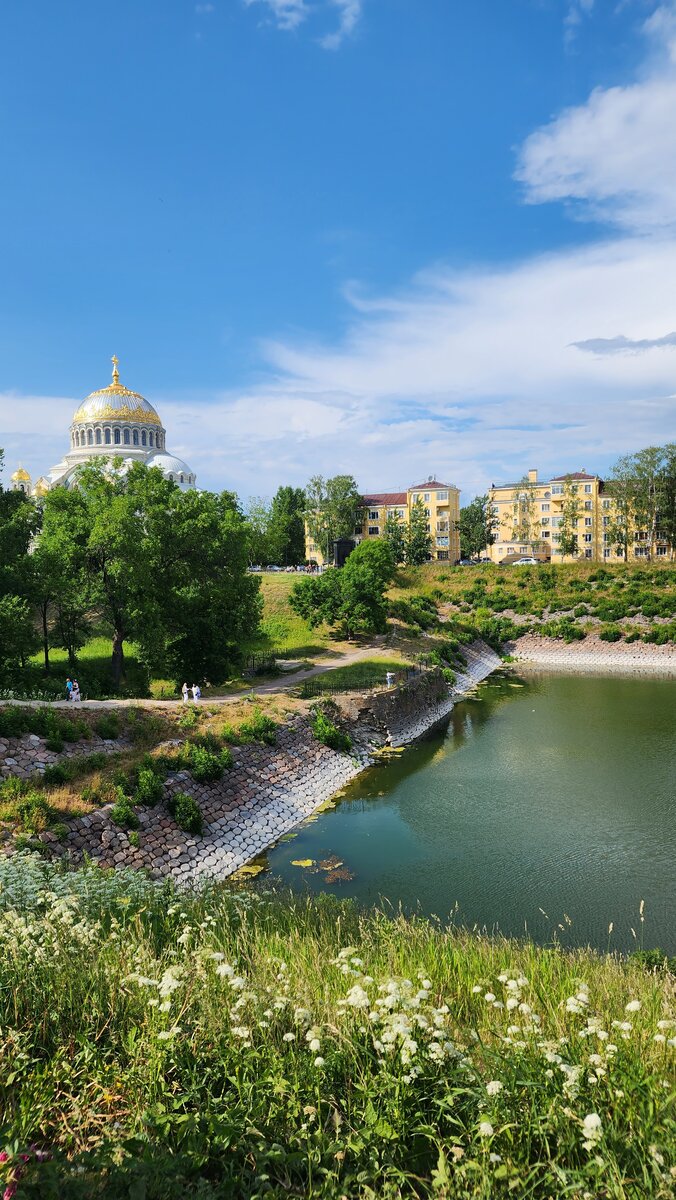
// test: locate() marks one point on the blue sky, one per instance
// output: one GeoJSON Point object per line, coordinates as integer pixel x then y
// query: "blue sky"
{"type": "Point", "coordinates": [391, 237]}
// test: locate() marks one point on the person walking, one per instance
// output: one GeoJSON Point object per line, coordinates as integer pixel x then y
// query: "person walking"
{"type": "Point", "coordinates": [196, 691]}
{"type": "Point", "coordinates": [69, 688]}
{"type": "Point", "coordinates": [75, 694]}
{"type": "Point", "coordinates": [185, 692]}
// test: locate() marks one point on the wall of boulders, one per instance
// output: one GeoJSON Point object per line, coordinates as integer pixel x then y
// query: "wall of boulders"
{"type": "Point", "coordinates": [28, 755]}
{"type": "Point", "coordinates": [267, 791]}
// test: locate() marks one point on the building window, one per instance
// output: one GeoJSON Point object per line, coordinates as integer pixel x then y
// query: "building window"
{"type": "Point", "coordinates": [544, 520]}
{"type": "Point", "coordinates": [544, 507]}
{"type": "Point", "coordinates": [605, 503]}
{"type": "Point", "coordinates": [545, 533]}
{"type": "Point", "coordinates": [374, 514]}
{"type": "Point", "coordinates": [426, 497]}
{"type": "Point", "coordinates": [606, 552]}
{"type": "Point", "coordinates": [135, 437]}
{"type": "Point", "coordinates": [523, 549]}
{"type": "Point", "coordinates": [556, 521]}
{"type": "Point", "coordinates": [661, 551]}
{"type": "Point", "coordinates": [416, 497]}
{"type": "Point", "coordinates": [442, 495]}
{"type": "Point", "coordinates": [587, 537]}
{"type": "Point", "coordinates": [144, 438]}
{"type": "Point", "coordinates": [126, 437]}
{"type": "Point", "coordinates": [587, 520]}
{"type": "Point", "coordinates": [547, 495]}
{"type": "Point", "coordinates": [442, 555]}
{"type": "Point", "coordinates": [442, 541]}
{"type": "Point", "coordinates": [587, 553]}
{"type": "Point", "coordinates": [374, 530]}
{"type": "Point", "coordinates": [116, 437]}
{"type": "Point", "coordinates": [90, 438]}
{"type": "Point", "coordinates": [180, 478]}
{"type": "Point", "coordinates": [587, 505]}
{"type": "Point", "coordinates": [150, 439]}
{"type": "Point", "coordinates": [640, 551]}
{"type": "Point", "coordinates": [606, 521]}
{"type": "Point", "coordinates": [98, 437]}
{"type": "Point", "coordinates": [557, 489]}
{"type": "Point", "coordinates": [588, 488]}
{"type": "Point", "coordinates": [106, 437]}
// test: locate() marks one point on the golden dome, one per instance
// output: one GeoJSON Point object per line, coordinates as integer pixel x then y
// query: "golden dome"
{"type": "Point", "coordinates": [116, 403]}
{"type": "Point", "coordinates": [41, 488]}
{"type": "Point", "coordinates": [21, 476]}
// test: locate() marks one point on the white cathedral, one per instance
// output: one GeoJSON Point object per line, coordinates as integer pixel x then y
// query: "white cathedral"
{"type": "Point", "coordinates": [112, 421]}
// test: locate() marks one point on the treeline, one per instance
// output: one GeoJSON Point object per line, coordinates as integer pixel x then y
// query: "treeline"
{"type": "Point", "coordinates": [132, 554]}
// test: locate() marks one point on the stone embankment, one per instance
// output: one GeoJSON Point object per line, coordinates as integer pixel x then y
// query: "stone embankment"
{"type": "Point", "coordinates": [593, 655]}
{"type": "Point", "coordinates": [27, 755]}
{"type": "Point", "coordinates": [269, 789]}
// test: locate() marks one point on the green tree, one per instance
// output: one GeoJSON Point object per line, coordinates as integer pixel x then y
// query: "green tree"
{"type": "Point", "coordinates": [18, 524]}
{"type": "Point", "coordinates": [570, 513]}
{"type": "Point", "coordinates": [394, 533]}
{"type": "Point", "coordinates": [352, 598]}
{"type": "Point", "coordinates": [477, 527]}
{"type": "Point", "coordinates": [166, 568]}
{"type": "Point", "coordinates": [418, 537]}
{"type": "Point", "coordinates": [331, 510]}
{"type": "Point", "coordinates": [620, 489]}
{"type": "Point", "coordinates": [257, 514]}
{"type": "Point", "coordinates": [525, 527]}
{"type": "Point", "coordinates": [287, 526]}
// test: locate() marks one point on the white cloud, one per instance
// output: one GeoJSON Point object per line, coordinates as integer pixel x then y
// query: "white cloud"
{"type": "Point", "coordinates": [349, 13]}
{"type": "Point", "coordinates": [614, 157]}
{"type": "Point", "coordinates": [288, 14]}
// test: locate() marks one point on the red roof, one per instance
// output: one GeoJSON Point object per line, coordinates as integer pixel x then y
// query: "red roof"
{"type": "Point", "coordinates": [429, 484]}
{"type": "Point", "coordinates": [571, 475]}
{"type": "Point", "coordinates": [381, 498]}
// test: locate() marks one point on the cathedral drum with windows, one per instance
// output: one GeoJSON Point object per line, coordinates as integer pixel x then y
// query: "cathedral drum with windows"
{"type": "Point", "coordinates": [112, 422]}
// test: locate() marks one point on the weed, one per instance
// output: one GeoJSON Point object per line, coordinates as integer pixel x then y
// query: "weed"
{"type": "Point", "coordinates": [186, 812]}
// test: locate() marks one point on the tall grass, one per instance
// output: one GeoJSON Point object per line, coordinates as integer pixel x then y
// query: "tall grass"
{"type": "Point", "coordinates": [250, 1045]}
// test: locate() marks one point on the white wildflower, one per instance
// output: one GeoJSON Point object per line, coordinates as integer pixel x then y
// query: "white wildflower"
{"type": "Point", "coordinates": [494, 1087]}
{"type": "Point", "coordinates": [486, 1129]}
{"type": "Point", "coordinates": [489, 997]}
{"type": "Point", "coordinates": [319, 1061]}
{"type": "Point", "coordinates": [289, 1037]}
{"type": "Point", "coordinates": [357, 997]}
{"type": "Point", "coordinates": [632, 1006]}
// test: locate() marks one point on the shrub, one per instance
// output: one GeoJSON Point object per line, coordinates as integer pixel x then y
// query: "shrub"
{"type": "Point", "coordinates": [73, 768]}
{"type": "Point", "coordinates": [34, 812]}
{"type": "Point", "coordinates": [610, 633]}
{"type": "Point", "coordinates": [205, 765]}
{"type": "Point", "coordinates": [122, 812]}
{"type": "Point", "coordinates": [108, 726]}
{"type": "Point", "coordinates": [328, 733]}
{"type": "Point", "coordinates": [189, 718]}
{"type": "Point", "coordinates": [134, 839]}
{"type": "Point", "coordinates": [54, 743]}
{"type": "Point", "coordinates": [633, 636]}
{"type": "Point", "coordinates": [149, 788]}
{"type": "Point", "coordinates": [448, 675]}
{"type": "Point", "coordinates": [580, 610]}
{"type": "Point", "coordinates": [259, 728]}
{"type": "Point", "coordinates": [186, 812]}
{"type": "Point", "coordinates": [230, 735]}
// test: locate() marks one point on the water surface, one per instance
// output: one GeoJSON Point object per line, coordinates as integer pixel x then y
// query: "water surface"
{"type": "Point", "coordinates": [546, 792]}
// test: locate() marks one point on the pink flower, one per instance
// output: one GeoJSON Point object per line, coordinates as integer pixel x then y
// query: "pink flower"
{"type": "Point", "coordinates": [9, 1192]}
{"type": "Point", "coordinates": [4, 1156]}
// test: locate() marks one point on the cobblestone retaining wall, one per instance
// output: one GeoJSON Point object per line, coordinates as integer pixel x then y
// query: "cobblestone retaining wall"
{"type": "Point", "coordinates": [28, 755]}
{"type": "Point", "coordinates": [634, 658]}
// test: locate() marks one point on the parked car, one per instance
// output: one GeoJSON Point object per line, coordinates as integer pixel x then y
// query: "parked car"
{"type": "Point", "coordinates": [524, 562]}
{"type": "Point", "coordinates": [465, 562]}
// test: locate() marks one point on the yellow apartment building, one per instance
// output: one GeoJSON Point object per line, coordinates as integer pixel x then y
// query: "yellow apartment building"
{"type": "Point", "coordinates": [441, 502]}
{"type": "Point", "coordinates": [533, 517]}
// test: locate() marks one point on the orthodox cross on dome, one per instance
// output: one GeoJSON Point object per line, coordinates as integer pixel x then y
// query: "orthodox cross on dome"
{"type": "Point", "coordinates": [116, 374]}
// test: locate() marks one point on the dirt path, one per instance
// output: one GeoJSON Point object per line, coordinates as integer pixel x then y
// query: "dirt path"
{"type": "Point", "coordinates": [275, 685]}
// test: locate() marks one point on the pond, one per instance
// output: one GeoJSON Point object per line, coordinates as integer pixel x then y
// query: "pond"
{"type": "Point", "coordinates": [546, 808]}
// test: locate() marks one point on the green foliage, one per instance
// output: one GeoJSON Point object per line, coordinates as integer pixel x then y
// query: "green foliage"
{"type": "Point", "coordinates": [610, 633]}
{"type": "Point", "coordinates": [134, 839]}
{"type": "Point", "coordinates": [149, 789]}
{"type": "Point", "coordinates": [186, 812]}
{"type": "Point", "coordinates": [328, 733]}
{"type": "Point", "coordinates": [286, 529]}
{"type": "Point", "coordinates": [189, 718]}
{"type": "Point", "coordinates": [418, 536]}
{"type": "Point", "coordinates": [123, 813]}
{"type": "Point", "coordinates": [449, 675]}
{"type": "Point", "coordinates": [34, 812]}
{"type": "Point", "coordinates": [477, 527]}
{"type": "Point", "coordinates": [394, 533]}
{"type": "Point", "coordinates": [108, 726]}
{"type": "Point", "coordinates": [416, 610]}
{"type": "Point", "coordinates": [258, 728]}
{"type": "Point", "coordinates": [332, 508]}
{"type": "Point", "coordinates": [564, 628]}
{"type": "Point", "coordinates": [73, 768]}
{"type": "Point", "coordinates": [205, 765]}
{"type": "Point", "coordinates": [351, 598]}
{"type": "Point", "coordinates": [201, 1100]}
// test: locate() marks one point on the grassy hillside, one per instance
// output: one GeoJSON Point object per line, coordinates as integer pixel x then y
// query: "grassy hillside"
{"type": "Point", "coordinates": [244, 1045]}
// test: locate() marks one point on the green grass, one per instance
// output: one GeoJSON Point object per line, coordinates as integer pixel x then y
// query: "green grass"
{"type": "Point", "coordinates": [217, 1045]}
{"type": "Point", "coordinates": [368, 673]}
{"type": "Point", "coordinates": [93, 671]}
{"type": "Point", "coordinates": [282, 632]}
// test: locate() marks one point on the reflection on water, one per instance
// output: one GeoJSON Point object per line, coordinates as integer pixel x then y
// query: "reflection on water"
{"type": "Point", "coordinates": [549, 793]}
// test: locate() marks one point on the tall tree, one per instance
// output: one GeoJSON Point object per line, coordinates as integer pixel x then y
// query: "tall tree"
{"type": "Point", "coordinates": [620, 490]}
{"type": "Point", "coordinates": [286, 530]}
{"type": "Point", "coordinates": [418, 536]}
{"type": "Point", "coordinates": [165, 567]}
{"type": "Point", "coordinates": [331, 510]}
{"type": "Point", "coordinates": [477, 527]}
{"type": "Point", "coordinates": [351, 599]}
{"type": "Point", "coordinates": [524, 519]}
{"type": "Point", "coordinates": [18, 524]}
{"type": "Point", "coordinates": [394, 533]}
{"type": "Point", "coordinates": [570, 514]}
{"type": "Point", "coordinates": [257, 513]}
